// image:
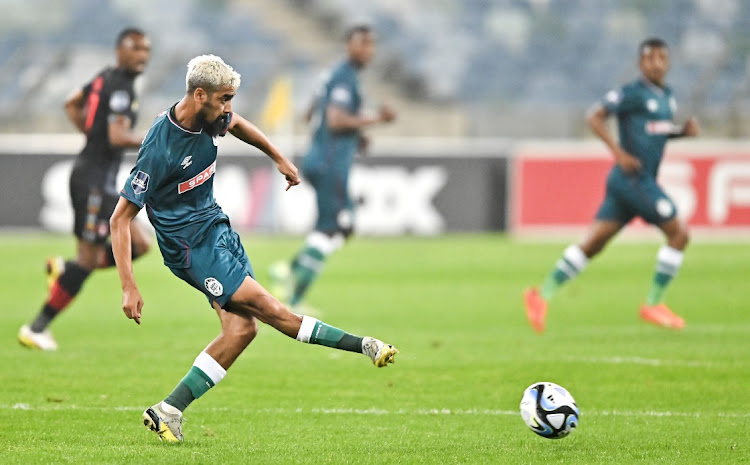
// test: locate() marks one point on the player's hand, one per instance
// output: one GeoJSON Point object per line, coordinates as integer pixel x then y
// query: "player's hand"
{"type": "Point", "coordinates": [628, 163]}
{"type": "Point", "coordinates": [289, 171]}
{"type": "Point", "coordinates": [691, 128]}
{"type": "Point", "coordinates": [132, 303]}
{"type": "Point", "coordinates": [387, 114]}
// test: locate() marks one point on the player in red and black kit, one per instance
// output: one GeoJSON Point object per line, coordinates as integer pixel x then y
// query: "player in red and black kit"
{"type": "Point", "coordinates": [104, 110]}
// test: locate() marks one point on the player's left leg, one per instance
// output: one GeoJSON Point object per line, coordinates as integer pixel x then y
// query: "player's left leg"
{"type": "Point", "coordinates": [668, 262]}
{"type": "Point", "coordinates": [252, 298]}
{"type": "Point", "coordinates": [652, 204]}
{"type": "Point", "coordinates": [61, 293]}
{"type": "Point", "coordinates": [334, 226]}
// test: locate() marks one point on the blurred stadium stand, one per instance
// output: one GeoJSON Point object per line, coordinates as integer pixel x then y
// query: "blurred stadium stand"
{"type": "Point", "coordinates": [518, 68]}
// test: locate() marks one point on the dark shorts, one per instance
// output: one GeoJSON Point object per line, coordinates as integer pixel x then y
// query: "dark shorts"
{"type": "Point", "coordinates": [92, 208]}
{"type": "Point", "coordinates": [217, 265]}
{"type": "Point", "coordinates": [631, 196]}
{"type": "Point", "coordinates": [335, 207]}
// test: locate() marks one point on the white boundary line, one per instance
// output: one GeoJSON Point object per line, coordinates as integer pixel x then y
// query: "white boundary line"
{"type": "Point", "coordinates": [382, 412]}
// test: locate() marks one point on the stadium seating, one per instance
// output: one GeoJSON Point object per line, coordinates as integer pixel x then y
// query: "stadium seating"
{"type": "Point", "coordinates": [478, 54]}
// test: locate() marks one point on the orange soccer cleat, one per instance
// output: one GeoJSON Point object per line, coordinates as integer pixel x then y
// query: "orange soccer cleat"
{"type": "Point", "coordinates": [536, 309]}
{"type": "Point", "coordinates": [660, 315]}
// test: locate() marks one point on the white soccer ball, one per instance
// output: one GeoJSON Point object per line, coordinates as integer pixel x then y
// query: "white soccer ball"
{"type": "Point", "coordinates": [549, 410]}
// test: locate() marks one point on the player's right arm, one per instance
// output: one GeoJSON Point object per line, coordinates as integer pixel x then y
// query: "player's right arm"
{"type": "Point", "coordinates": [615, 102]}
{"type": "Point", "coordinates": [75, 109]}
{"type": "Point", "coordinates": [119, 223]}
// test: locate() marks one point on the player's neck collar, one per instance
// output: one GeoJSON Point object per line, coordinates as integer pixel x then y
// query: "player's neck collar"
{"type": "Point", "coordinates": [657, 89]}
{"type": "Point", "coordinates": [173, 119]}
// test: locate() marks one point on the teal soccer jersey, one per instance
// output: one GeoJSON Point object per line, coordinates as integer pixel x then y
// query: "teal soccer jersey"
{"type": "Point", "coordinates": [644, 118]}
{"type": "Point", "coordinates": [173, 179]}
{"type": "Point", "coordinates": [329, 159]}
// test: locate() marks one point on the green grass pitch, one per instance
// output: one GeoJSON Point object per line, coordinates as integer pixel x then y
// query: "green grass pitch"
{"type": "Point", "coordinates": [453, 307]}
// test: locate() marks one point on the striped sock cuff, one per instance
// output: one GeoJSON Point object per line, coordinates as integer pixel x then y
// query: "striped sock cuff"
{"type": "Point", "coordinates": [306, 328]}
{"type": "Point", "coordinates": [669, 260]}
{"type": "Point", "coordinates": [210, 367]}
{"type": "Point", "coordinates": [573, 261]}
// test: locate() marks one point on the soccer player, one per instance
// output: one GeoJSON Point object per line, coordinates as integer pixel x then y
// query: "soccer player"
{"type": "Point", "coordinates": [105, 110]}
{"type": "Point", "coordinates": [644, 111]}
{"type": "Point", "coordinates": [338, 120]}
{"type": "Point", "coordinates": [173, 178]}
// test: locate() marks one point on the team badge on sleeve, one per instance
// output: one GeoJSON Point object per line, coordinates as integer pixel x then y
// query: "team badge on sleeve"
{"type": "Point", "coordinates": [613, 97]}
{"type": "Point", "coordinates": [140, 182]}
{"type": "Point", "coordinates": [119, 101]}
{"type": "Point", "coordinates": [341, 95]}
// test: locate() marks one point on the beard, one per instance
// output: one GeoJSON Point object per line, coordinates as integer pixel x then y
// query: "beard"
{"type": "Point", "coordinates": [215, 127]}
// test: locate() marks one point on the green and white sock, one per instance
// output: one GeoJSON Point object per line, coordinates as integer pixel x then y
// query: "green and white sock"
{"type": "Point", "coordinates": [668, 263]}
{"type": "Point", "coordinates": [203, 375]}
{"type": "Point", "coordinates": [314, 331]}
{"type": "Point", "coordinates": [570, 265]}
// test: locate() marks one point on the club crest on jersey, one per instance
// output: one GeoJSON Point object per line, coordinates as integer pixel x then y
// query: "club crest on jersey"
{"type": "Point", "coordinates": [197, 180]}
{"type": "Point", "coordinates": [140, 182]}
{"type": "Point", "coordinates": [213, 286]}
{"type": "Point", "coordinates": [652, 105]}
{"type": "Point", "coordinates": [187, 161]}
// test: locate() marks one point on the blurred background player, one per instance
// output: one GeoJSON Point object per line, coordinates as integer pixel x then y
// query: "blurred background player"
{"type": "Point", "coordinates": [336, 114]}
{"type": "Point", "coordinates": [644, 111]}
{"type": "Point", "coordinates": [105, 110]}
{"type": "Point", "coordinates": [174, 176]}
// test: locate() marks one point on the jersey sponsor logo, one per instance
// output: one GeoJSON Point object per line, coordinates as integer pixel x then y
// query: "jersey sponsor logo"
{"type": "Point", "coordinates": [197, 180]}
{"type": "Point", "coordinates": [119, 101]}
{"type": "Point", "coordinates": [140, 182]}
{"type": "Point", "coordinates": [187, 161]}
{"type": "Point", "coordinates": [660, 127]}
{"type": "Point", "coordinates": [652, 105]}
{"type": "Point", "coordinates": [214, 286]}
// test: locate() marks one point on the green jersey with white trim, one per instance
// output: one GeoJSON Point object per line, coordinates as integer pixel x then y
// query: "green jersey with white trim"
{"type": "Point", "coordinates": [173, 179]}
{"type": "Point", "coordinates": [644, 118]}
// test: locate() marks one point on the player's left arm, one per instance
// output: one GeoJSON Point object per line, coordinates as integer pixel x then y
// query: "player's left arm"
{"type": "Point", "coordinates": [691, 128]}
{"type": "Point", "coordinates": [247, 132]}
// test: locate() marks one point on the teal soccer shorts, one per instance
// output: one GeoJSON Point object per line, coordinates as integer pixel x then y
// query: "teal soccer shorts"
{"type": "Point", "coordinates": [217, 265]}
{"type": "Point", "coordinates": [636, 195]}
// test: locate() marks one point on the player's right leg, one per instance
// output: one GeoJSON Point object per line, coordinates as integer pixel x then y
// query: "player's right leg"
{"type": "Point", "coordinates": [210, 367]}
{"type": "Point", "coordinates": [573, 261]}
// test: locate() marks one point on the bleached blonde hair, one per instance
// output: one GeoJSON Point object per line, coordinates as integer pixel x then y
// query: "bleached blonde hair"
{"type": "Point", "coordinates": [209, 72]}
